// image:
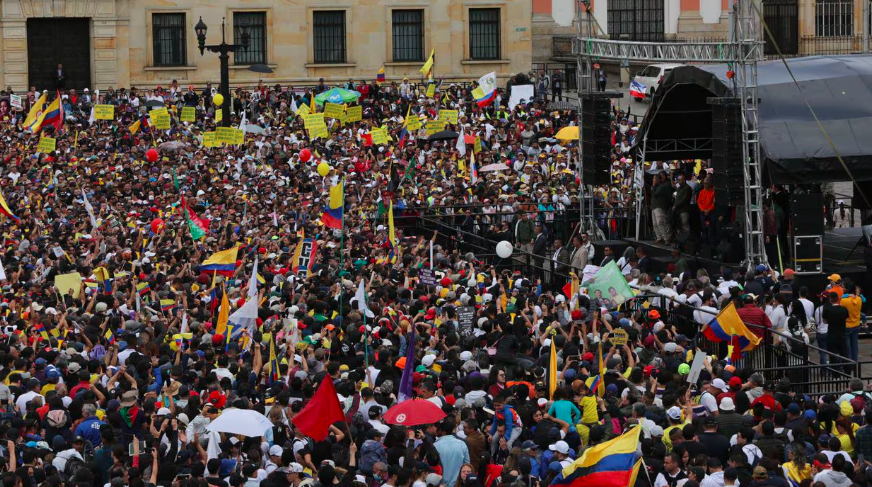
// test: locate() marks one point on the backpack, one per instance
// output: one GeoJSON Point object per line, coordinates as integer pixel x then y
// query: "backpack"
{"type": "Point", "coordinates": [56, 418]}
{"type": "Point", "coordinates": [72, 466]}
{"type": "Point", "coordinates": [540, 438]}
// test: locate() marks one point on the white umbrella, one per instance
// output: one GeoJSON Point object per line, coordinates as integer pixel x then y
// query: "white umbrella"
{"type": "Point", "coordinates": [240, 422]}
{"type": "Point", "coordinates": [499, 166]}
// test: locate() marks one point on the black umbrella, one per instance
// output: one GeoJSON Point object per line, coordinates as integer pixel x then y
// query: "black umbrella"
{"type": "Point", "coordinates": [154, 104]}
{"type": "Point", "coordinates": [444, 135]}
{"type": "Point", "coordinates": [260, 68]}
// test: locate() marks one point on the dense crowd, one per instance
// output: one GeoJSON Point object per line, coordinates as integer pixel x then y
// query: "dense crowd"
{"type": "Point", "coordinates": [118, 353]}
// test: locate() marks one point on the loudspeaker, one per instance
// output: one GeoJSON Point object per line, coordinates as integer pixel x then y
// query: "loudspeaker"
{"type": "Point", "coordinates": [728, 177]}
{"type": "Point", "coordinates": [596, 140]}
{"type": "Point", "coordinates": [807, 214]}
{"type": "Point", "coordinates": [808, 254]}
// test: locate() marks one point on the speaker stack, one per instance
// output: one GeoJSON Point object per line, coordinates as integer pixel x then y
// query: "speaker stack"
{"type": "Point", "coordinates": [807, 226]}
{"type": "Point", "coordinates": [729, 182]}
{"type": "Point", "coordinates": [596, 137]}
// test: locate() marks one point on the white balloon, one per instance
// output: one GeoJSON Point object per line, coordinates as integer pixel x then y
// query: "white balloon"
{"type": "Point", "coordinates": [504, 249]}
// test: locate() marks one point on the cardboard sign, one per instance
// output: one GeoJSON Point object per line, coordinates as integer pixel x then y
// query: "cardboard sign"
{"type": "Point", "coordinates": [46, 145]}
{"type": "Point", "coordinates": [69, 284]}
{"type": "Point", "coordinates": [160, 118]}
{"type": "Point", "coordinates": [334, 110]}
{"type": "Point", "coordinates": [189, 114]}
{"type": "Point", "coordinates": [16, 102]}
{"type": "Point", "coordinates": [619, 337]}
{"type": "Point", "coordinates": [449, 116]}
{"type": "Point", "coordinates": [431, 90]}
{"type": "Point", "coordinates": [209, 140]}
{"type": "Point", "coordinates": [379, 136]}
{"type": "Point", "coordinates": [696, 366]}
{"type": "Point", "coordinates": [313, 120]}
{"type": "Point", "coordinates": [434, 126]}
{"type": "Point", "coordinates": [465, 320]}
{"type": "Point", "coordinates": [104, 112]}
{"type": "Point", "coordinates": [303, 110]}
{"type": "Point", "coordinates": [318, 130]}
{"type": "Point", "coordinates": [414, 123]}
{"type": "Point", "coordinates": [426, 277]}
{"type": "Point", "coordinates": [227, 135]}
{"type": "Point", "coordinates": [477, 147]}
{"type": "Point", "coordinates": [354, 114]}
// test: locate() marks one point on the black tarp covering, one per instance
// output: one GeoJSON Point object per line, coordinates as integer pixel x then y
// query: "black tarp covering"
{"type": "Point", "coordinates": [795, 150]}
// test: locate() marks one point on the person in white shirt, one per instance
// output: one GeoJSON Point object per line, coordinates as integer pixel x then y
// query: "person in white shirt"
{"type": "Point", "coordinates": [375, 415]}
{"type": "Point", "coordinates": [707, 312]}
{"type": "Point", "coordinates": [715, 477]}
{"type": "Point", "coordinates": [33, 387]}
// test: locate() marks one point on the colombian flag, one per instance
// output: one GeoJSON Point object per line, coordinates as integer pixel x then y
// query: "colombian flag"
{"type": "Point", "coordinates": [143, 288]}
{"type": "Point", "coordinates": [223, 262]}
{"type": "Point", "coordinates": [4, 209]}
{"type": "Point", "coordinates": [167, 305]}
{"type": "Point", "coordinates": [728, 327]}
{"type": "Point", "coordinates": [53, 115]}
{"type": "Point", "coordinates": [332, 216]}
{"type": "Point", "coordinates": [36, 111]}
{"type": "Point", "coordinates": [41, 329]}
{"type": "Point", "coordinates": [484, 99]}
{"type": "Point", "coordinates": [609, 464]}
{"type": "Point", "coordinates": [109, 336]}
{"type": "Point", "coordinates": [380, 75]}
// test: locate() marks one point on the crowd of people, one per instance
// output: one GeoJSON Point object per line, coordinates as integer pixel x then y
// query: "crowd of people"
{"type": "Point", "coordinates": [113, 378]}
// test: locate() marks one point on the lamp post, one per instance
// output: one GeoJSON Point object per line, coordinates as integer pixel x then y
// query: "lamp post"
{"type": "Point", "coordinates": [224, 49]}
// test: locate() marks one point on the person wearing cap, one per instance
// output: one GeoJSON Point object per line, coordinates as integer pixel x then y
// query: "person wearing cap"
{"type": "Point", "coordinates": [716, 444]}
{"type": "Point", "coordinates": [33, 387]}
{"type": "Point", "coordinates": [273, 459]}
{"type": "Point", "coordinates": [561, 453]}
{"type": "Point", "coordinates": [768, 398]}
{"type": "Point", "coordinates": [674, 417]}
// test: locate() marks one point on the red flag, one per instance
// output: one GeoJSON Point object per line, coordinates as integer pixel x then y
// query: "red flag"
{"type": "Point", "coordinates": [322, 411]}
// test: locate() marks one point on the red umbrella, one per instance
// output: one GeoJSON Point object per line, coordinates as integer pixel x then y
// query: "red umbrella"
{"type": "Point", "coordinates": [414, 412]}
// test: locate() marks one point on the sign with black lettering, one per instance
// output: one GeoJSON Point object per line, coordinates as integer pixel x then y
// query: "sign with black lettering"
{"type": "Point", "coordinates": [465, 320]}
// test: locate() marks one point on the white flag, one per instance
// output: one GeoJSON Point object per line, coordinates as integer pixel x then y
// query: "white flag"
{"type": "Point", "coordinates": [2, 272]}
{"type": "Point", "coordinates": [252, 283]}
{"type": "Point", "coordinates": [242, 122]}
{"type": "Point", "coordinates": [360, 296]}
{"type": "Point", "coordinates": [461, 143]}
{"type": "Point", "coordinates": [93, 117]}
{"type": "Point", "coordinates": [246, 316]}
{"type": "Point", "coordinates": [184, 322]}
{"type": "Point", "coordinates": [90, 210]}
{"type": "Point", "coordinates": [488, 82]}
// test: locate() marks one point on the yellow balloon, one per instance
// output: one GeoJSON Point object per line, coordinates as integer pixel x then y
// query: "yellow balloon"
{"type": "Point", "coordinates": [218, 99]}
{"type": "Point", "coordinates": [323, 169]}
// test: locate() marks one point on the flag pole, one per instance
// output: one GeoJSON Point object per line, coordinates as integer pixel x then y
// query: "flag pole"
{"type": "Point", "coordinates": [342, 254]}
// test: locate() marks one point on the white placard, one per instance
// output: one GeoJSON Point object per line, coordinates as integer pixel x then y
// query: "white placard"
{"type": "Point", "coordinates": [520, 92]}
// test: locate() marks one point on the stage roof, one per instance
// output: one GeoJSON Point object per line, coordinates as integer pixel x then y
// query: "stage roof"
{"type": "Point", "coordinates": [795, 150]}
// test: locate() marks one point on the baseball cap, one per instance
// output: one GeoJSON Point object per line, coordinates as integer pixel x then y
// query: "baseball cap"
{"type": "Point", "coordinates": [760, 473]}
{"type": "Point", "coordinates": [674, 413]}
{"type": "Point", "coordinates": [735, 381]}
{"type": "Point", "coordinates": [433, 479]}
{"type": "Point", "coordinates": [529, 445]}
{"type": "Point", "coordinates": [720, 384]}
{"type": "Point", "coordinates": [669, 347]}
{"type": "Point", "coordinates": [276, 451]}
{"type": "Point", "coordinates": [294, 467]}
{"type": "Point", "coordinates": [684, 369]}
{"type": "Point", "coordinates": [560, 447]}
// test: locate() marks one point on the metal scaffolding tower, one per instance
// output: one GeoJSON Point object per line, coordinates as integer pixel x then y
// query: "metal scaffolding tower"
{"type": "Point", "coordinates": [742, 53]}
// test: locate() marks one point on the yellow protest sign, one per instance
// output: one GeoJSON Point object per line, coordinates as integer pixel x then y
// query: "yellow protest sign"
{"type": "Point", "coordinates": [477, 147]}
{"type": "Point", "coordinates": [431, 90]}
{"type": "Point", "coordinates": [354, 114]}
{"type": "Point", "coordinates": [303, 110]}
{"type": "Point", "coordinates": [318, 130]}
{"type": "Point", "coordinates": [46, 145]}
{"type": "Point", "coordinates": [414, 123]}
{"type": "Point", "coordinates": [434, 126]}
{"type": "Point", "coordinates": [379, 136]}
{"type": "Point", "coordinates": [189, 114]}
{"type": "Point", "coordinates": [104, 112]}
{"type": "Point", "coordinates": [219, 116]}
{"type": "Point", "coordinates": [449, 116]}
{"type": "Point", "coordinates": [209, 140]}
{"type": "Point", "coordinates": [313, 119]}
{"type": "Point", "coordinates": [69, 284]}
{"type": "Point", "coordinates": [226, 135]}
{"type": "Point", "coordinates": [240, 137]}
{"type": "Point", "coordinates": [334, 110]}
{"type": "Point", "coordinates": [160, 118]}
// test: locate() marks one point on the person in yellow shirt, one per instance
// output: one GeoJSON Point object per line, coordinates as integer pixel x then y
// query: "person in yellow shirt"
{"type": "Point", "coordinates": [853, 301]}
{"type": "Point", "coordinates": [674, 415]}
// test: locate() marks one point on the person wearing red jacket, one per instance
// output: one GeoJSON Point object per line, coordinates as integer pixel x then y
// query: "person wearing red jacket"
{"type": "Point", "coordinates": [753, 315]}
{"type": "Point", "coordinates": [705, 201]}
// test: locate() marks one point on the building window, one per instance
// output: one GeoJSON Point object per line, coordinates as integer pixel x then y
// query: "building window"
{"type": "Point", "coordinates": [255, 22]}
{"type": "Point", "coordinates": [636, 20]}
{"type": "Point", "coordinates": [408, 35]}
{"type": "Point", "coordinates": [782, 17]}
{"type": "Point", "coordinates": [329, 32]}
{"type": "Point", "coordinates": [834, 18]}
{"type": "Point", "coordinates": [484, 33]}
{"type": "Point", "coordinates": [168, 35]}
